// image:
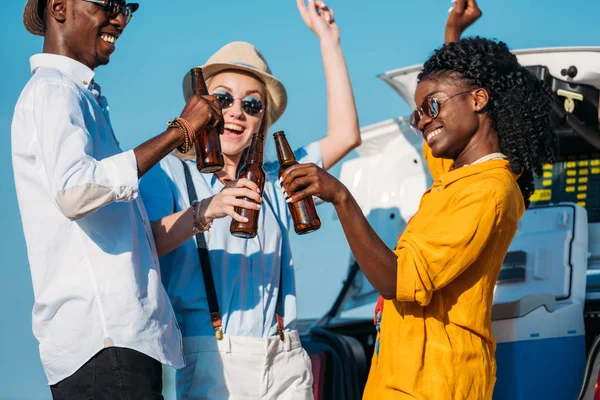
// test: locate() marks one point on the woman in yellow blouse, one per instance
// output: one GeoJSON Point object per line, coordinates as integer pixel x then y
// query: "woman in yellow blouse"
{"type": "Point", "coordinates": [481, 109]}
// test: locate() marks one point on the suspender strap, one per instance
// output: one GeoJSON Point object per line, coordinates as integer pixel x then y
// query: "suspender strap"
{"type": "Point", "coordinates": [279, 311]}
{"type": "Point", "coordinates": [209, 283]}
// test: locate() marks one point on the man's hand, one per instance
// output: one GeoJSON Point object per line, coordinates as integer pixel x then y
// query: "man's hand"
{"type": "Point", "coordinates": [202, 111]}
{"type": "Point", "coordinates": [462, 15]}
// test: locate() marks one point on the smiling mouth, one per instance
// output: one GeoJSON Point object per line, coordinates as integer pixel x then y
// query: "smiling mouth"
{"type": "Point", "coordinates": [110, 39]}
{"type": "Point", "coordinates": [433, 134]}
{"type": "Point", "coordinates": [234, 128]}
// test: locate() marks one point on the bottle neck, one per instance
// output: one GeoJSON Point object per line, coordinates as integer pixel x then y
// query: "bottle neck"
{"type": "Point", "coordinates": [256, 149]}
{"type": "Point", "coordinates": [285, 155]}
{"type": "Point", "coordinates": [198, 83]}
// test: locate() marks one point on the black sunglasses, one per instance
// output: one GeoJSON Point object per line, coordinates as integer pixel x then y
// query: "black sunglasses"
{"type": "Point", "coordinates": [430, 107]}
{"type": "Point", "coordinates": [115, 7]}
{"type": "Point", "coordinates": [250, 105]}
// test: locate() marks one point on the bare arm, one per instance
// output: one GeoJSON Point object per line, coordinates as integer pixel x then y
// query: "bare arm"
{"type": "Point", "coordinates": [81, 183]}
{"type": "Point", "coordinates": [376, 260]}
{"type": "Point", "coordinates": [462, 15]}
{"type": "Point", "coordinates": [425, 260]}
{"type": "Point", "coordinates": [174, 230]}
{"type": "Point", "coordinates": [152, 151]}
{"type": "Point", "coordinates": [343, 131]}
{"type": "Point", "coordinates": [199, 111]}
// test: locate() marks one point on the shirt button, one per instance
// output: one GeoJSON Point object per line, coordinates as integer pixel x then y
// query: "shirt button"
{"type": "Point", "coordinates": [85, 83]}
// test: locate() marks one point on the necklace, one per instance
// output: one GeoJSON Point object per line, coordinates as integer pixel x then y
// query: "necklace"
{"type": "Point", "coordinates": [492, 156]}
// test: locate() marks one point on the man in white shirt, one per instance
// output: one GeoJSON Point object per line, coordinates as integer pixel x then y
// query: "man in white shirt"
{"type": "Point", "coordinates": [101, 315]}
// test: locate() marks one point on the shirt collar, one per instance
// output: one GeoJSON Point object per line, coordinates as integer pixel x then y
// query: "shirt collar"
{"type": "Point", "coordinates": [468, 170]}
{"type": "Point", "coordinates": [75, 70]}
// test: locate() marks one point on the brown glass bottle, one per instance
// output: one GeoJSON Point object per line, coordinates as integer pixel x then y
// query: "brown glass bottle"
{"type": "Point", "coordinates": [304, 212]}
{"type": "Point", "coordinates": [252, 170]}
{"type": "Point", "coordinates": [209, 157]}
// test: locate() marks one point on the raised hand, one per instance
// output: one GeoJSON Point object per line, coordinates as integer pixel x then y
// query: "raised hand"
{"type": "Point", "coordinates": [462, 15]}
{"type": "Point", "coordinates": [202, 111]}
{"type": "Point", "coordinates": [319, 19]}
{"type": "Point", "coordinates": [303, 180]}
{"type": "Point", "coordinates": [231, 196]}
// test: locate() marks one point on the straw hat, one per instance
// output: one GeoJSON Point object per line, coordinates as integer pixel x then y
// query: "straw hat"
{"type": "Point", "coordinates": [242, 56]}
{"type": "Point", "coordinates": [32, 19]}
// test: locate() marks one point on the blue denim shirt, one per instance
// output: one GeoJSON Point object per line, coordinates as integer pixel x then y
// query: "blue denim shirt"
{"type": "Point", "coordinates": [246, 271]}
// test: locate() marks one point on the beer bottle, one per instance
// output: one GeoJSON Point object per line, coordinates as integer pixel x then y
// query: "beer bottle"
{"type": "Point", "coordinates": [252, 170]}
{"type": "Point", "coordinates": [209, 158]}
{"type": "Point", "coordinates": [304, 212]}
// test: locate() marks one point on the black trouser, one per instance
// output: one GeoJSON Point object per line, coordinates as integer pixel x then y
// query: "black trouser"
{"type": "Point", "coordinates": [114, 373]}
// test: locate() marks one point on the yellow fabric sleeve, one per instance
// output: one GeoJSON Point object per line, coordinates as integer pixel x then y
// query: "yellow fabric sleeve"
{"type": "Point", "coordinates": [440, 245]}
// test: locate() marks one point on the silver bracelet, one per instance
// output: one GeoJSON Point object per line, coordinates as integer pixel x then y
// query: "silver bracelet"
{"type": "Point", "coordinates": [197, 225]}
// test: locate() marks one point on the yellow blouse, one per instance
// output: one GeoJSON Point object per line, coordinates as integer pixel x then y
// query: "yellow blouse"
{"type": "Point", "coordinates": [436, 338]}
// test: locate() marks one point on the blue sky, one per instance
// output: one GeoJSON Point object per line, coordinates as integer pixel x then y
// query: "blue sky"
{"type": "Point", "coordinates": [143, 85]}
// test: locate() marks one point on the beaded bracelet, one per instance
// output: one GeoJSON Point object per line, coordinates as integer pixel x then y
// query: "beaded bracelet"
{"type": "Point", "coordinates": [188, 127]}
{"type": "Point", "coordinates": [198, 226]}
{"type": "Point", "coordinates": [187, 143]}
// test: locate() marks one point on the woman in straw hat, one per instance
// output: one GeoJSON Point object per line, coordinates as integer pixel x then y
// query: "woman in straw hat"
{"type": "Point", "coordinates": [227, 304]}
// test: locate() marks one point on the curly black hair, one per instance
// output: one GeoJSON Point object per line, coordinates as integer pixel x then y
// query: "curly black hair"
{"type": "Point", "coordinates": [519, 103]}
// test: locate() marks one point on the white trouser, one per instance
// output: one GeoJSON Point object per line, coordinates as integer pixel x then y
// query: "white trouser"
{"type": "Point", "coordinates": [245, 368]}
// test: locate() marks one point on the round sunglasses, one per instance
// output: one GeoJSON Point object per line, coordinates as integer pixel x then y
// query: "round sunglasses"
{"type": "Point", "coordinates": [431, 107]}
{"type": "Point", "coordinates": [113, 8]}
{"type": "Point", "coordinates": [250, 105]}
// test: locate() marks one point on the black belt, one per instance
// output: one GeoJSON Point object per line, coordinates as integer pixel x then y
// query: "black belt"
{"type": "Point", "coordinates": [209, 283]}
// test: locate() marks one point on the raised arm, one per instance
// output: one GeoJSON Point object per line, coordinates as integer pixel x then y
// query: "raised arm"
{"type": "Point", "coordinates": [343, 131]}
{"type": "Point", "coordinates": [462, 15]}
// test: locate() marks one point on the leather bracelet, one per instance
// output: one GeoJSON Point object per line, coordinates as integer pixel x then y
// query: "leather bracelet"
{"type": "Point", "coordinates": [187, 143]}
{"type": "Point", "coordinates": [188, 127]}
{"type": "Point", "coordinates": [197, 225]}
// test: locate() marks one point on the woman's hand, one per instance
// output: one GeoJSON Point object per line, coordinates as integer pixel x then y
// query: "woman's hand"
{"type": "Point", "coordinates": [231, 196]}
{"type": "Point", "coordinates": [173, 230]}
{"type": "Point", "coordinates": [303, 180]}
{"type": "Point", "coordinates": [376, 260]}
{"type": "Point", "coordinates": [463, 14]}
{"type": "Point", "coordinates": [319, 18]}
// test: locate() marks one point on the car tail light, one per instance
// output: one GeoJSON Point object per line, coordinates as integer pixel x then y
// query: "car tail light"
{"type": "Point", "coordinates": [318, 370]}
{"type": "Point", "coordinates": [597, 388]}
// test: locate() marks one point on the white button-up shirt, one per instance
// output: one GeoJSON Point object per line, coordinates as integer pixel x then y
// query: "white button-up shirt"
{"type": "Point", "coordinates": [93, 261]}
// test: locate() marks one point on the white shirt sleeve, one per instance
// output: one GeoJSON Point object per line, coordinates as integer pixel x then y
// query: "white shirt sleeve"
{"type": "Point", "coordinates": [79, 182]}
